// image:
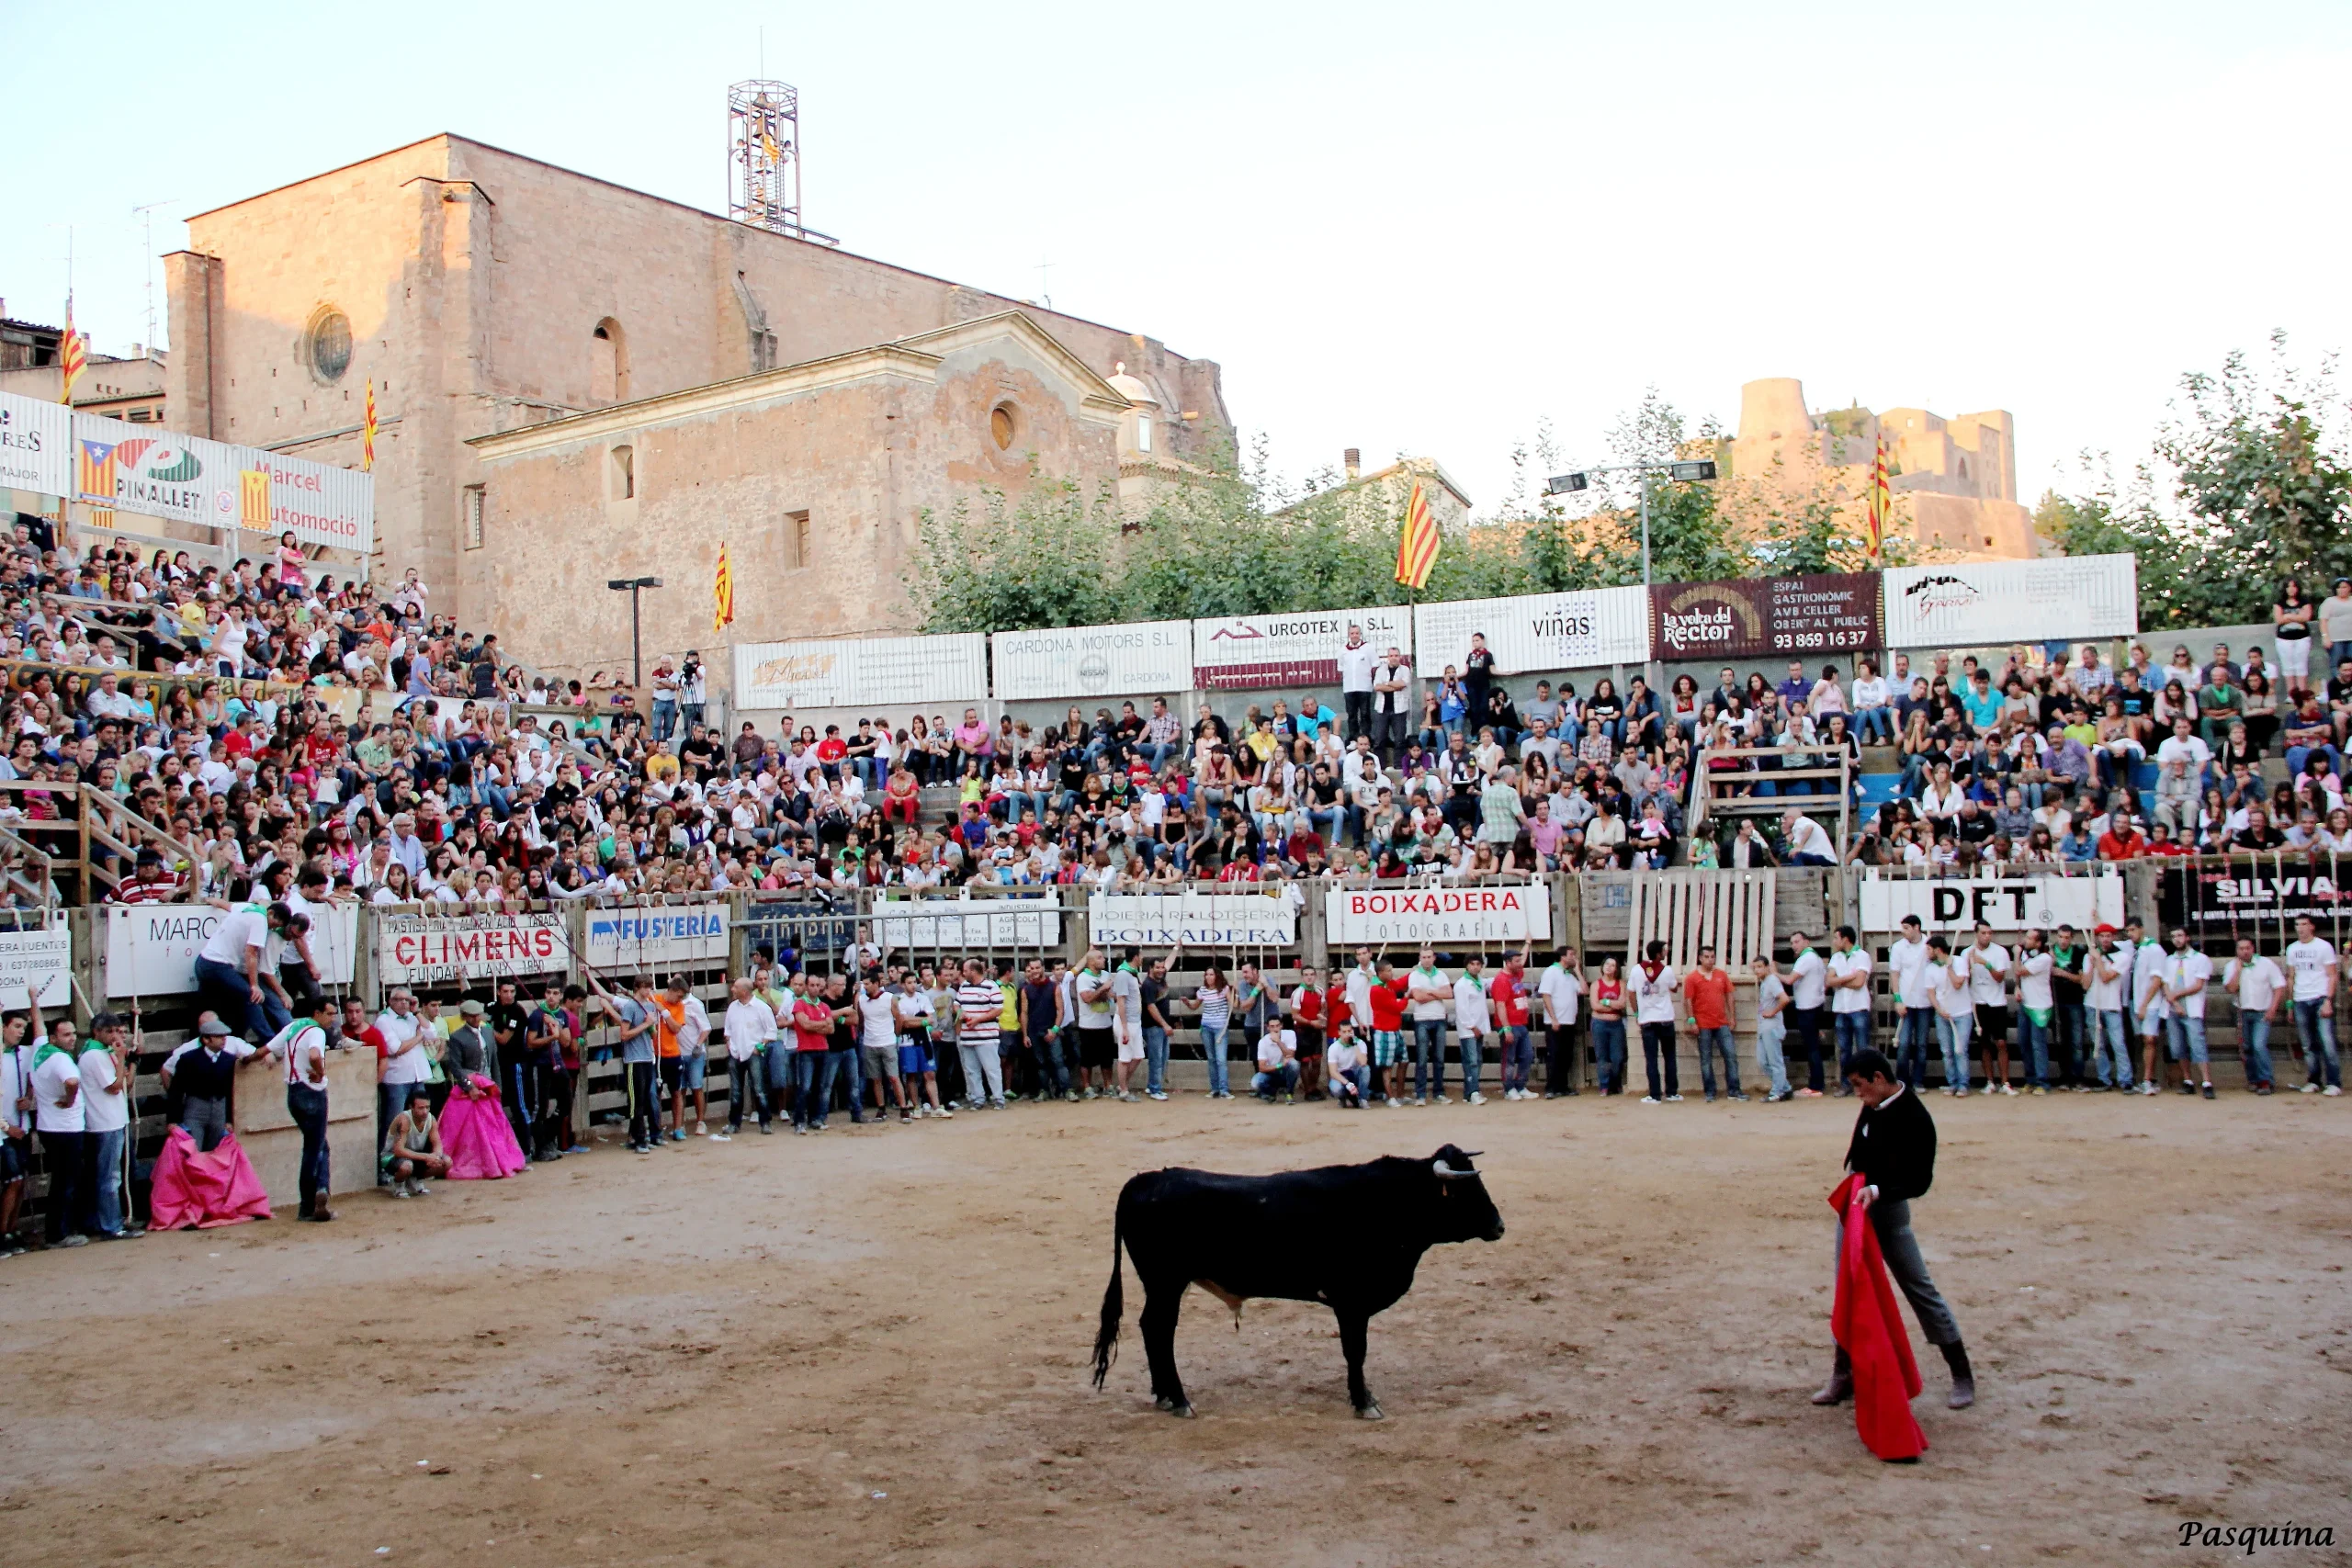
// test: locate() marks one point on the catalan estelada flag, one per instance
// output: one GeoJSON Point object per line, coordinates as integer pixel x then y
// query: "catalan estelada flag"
{"type": "Point", "coordinates": [252, 500]}
{"type": "Point", "coordinates": [73, 355]}
{"type": "Point", "coordinates": [367, 431]}
{"type": "Point", "coordinates": [722, 594]}
{"type": "Point", "coordinates": [1417, 547]}
{"type": "Point", "coordinates": [1875, 514]}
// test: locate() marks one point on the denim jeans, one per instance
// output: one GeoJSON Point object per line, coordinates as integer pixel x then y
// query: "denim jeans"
{"type": "Point", "coordinates": [1912, 1034]}
{"type": "Point", "coordinates": [2033, 1044]}
{"type": "Point", "coordinates": [1771, 1057]}
{"type": "Point", "coordinates": [1711, 1041]}
{"type": "Point", "coordinates": [847, 1067]}
{"type": "Point", "coordinates": [2111, 1048]}
{"type": "Point", "coordinates": [1870, 721]}
{"type": "Point", "coordinates": [1657, 1039]}
{"type": "Point", "coordinates": [665, 719]}
{"type": "Point", "coordinates": [808, 1109]}
{"type": "Point", "coordinates": [2069, 1041]}
{"type": "Point", "coordinates": [1951, 1035]}
{"type": "Point", "coordinates": [1212, 1047]}
{"type": "Point", "coordinates": [746, 1085]}
{"type": "Point", "coordinates": [1515, 1054]}
{"type": "Point", "coordinates": [2185, 1037]}
{"type": "Point", "coordinates": [1053, 1071]}
{"type": "Point", "coordinates": [102, 1181]}
{"type": "Point", "coordinates": [1469, 1042]}
{"type": "Point", "coordinates": [2317, 1035]}
{"type": "Point", "coordinates": [2253, 1045]}
{"type": "Point", "coordinates": [1283, 1080]}
{"type": "Point", "coordinates": [308, 1107]}
{"type": "Point", "coordinates": [1609, 1052]}
{"type": "Point", "coordinates": [1155, 1058]}
{"type": "Point", "coordinates": [1853, 1034]}
{"type": "Point", "coordinates": [1351, 1085]}
{"type": "Point", "coordinates": [1428, 1058]}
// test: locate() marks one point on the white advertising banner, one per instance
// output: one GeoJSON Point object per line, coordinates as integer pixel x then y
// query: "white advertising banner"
{"type": "Point", "coordinates": [1086, 661]}
{"type": "Point", "coordinates": [242, 490]}
{"type": "Point", "coordinates": [954, 924]}
{"type": "Point", "coordinates": [430, 949]}
{"type": "Point", "coordinates": [1538, 631]}
{"type": "Point", "coordinates": [1408, 917]}
{"type": "Point", "coordinates": [36, 965]}
{"type": "Point", "coordinates": [1980, 604]}
{"type": "Point", "coordinates": [150, 948]}
{"type": "Point", "coordinates": [36, 445]}
{"type": "Point", "coordinates": [1191, 919]}
{"type": "Point", "coordinates": [881, 674]}
{"type": "Point", "coordinates": [657, 940]}
{"type": "Point", "coordinates": [2005, 903]}
{"type": "Point", "coordinates": [1252, 652]}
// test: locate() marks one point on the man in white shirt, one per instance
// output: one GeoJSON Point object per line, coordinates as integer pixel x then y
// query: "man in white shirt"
{"type": "Point", "coordinates": [1909, 965]}
{"type": "Point", "coordinates": [106, 1071]}
{"type": "Point", "coordinates": [1808, 996]}
{"type": "Point", "coordinates": [1808, 843]}
{"type": "Point", "coordinates": [2107, 973]}
{"type": "Point", "coordinates": [1472, 1021]}
{"type": "Point", "coordinates": [1428, 989]}
{"type": "Point", "coordinates": [2260, 984]}
{"type": "Point", "coordinates": [750, 1027]}
{"type": "Point", "coordinates": [1277, 1066]}
{"type": "Point", "coordinates": [59, 1117]}
{"type": "Point", "coordinates": [1653, 984]}
{"type": "Point", "coordinates": [1948, 988]}
{"type": "Point", "coordinates": [878, 1040]}
{"type": "Point", "coordinates": [1988, 987]}
{"type": "Point", "coordinates": [301, 1048]}
{"type": "Point", "coordinates": [2186, 974]}
{"type": "Point", "coordinates": [2315, 964]}
{"type": "Point", "coordinates": [2144, 994]}
{"type": "Point", "coordinates": [1558, 991]}
{"type": "Point", "coordinates": [2036, 1004]}
{"type": "Point", "coordinates": [1392, 703]}
{"type": "Point", "coordinates": [1356, 660]}
{"type": "Point", "coordinates": [1849, 998]}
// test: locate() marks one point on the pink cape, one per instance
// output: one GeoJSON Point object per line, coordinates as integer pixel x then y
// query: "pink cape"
{"type": "Point", "coordinates": [1869, 1326]}
{"type": "Point", "coordinates": [200, 1190]}
{"type": "Point", "coordinates": [477, 1138]}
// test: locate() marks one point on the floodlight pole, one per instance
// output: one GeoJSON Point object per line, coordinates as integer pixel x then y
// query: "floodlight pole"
{"type": "Point", "coordinates": [633, 585]}
{"type": "Point", "coordinates": [1691, 471]}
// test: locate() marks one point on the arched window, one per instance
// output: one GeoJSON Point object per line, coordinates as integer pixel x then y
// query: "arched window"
{"type": "Point", "coordinates": [1143, 432]}
{"type": "Point", "coordinates": [608, 363]}
{"type": "Point", "coordinates": [624, 473]}
{"type": "Point", "coordinates": [1002, 428]}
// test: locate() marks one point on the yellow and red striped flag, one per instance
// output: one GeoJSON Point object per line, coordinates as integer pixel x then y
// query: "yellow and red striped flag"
{"type": "Point", "coordinates": [1875, 514]}
{"type": "Point", "coordinates": [722, 593]}
{"type": "Point", "coordinates": [1417, 547]}
{"type": "Point", "coordinates": [367, 431]}
{"type": "Point", "coordinates": [73, 355]}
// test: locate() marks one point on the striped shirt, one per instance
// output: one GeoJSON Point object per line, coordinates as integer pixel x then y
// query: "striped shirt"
{"type": "Point", "coordinates": [1217, 1006]}
{"type": "Point", "coordinates": [981, 1005]}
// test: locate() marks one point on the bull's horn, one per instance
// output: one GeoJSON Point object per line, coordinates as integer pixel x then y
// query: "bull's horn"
{"type": "Point", "coordinates": [1444, 1170]}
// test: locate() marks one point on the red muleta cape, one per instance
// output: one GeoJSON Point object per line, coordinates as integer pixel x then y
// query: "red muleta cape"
{"type": "Point", "coordinates": [200, 1190]}
{"type": "Point", "coordinates": [1868, 1323]}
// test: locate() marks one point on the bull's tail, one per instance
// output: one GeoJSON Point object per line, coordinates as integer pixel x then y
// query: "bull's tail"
{"type": "Point", "coordinates": [1106, 1339]}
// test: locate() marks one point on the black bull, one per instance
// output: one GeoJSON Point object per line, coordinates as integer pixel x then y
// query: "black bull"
{"type": "Point", "coordinates": [1347, 1236]}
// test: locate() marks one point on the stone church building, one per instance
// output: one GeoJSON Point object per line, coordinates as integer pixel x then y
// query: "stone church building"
{"type": "Point", "coordinates": [575, 381]}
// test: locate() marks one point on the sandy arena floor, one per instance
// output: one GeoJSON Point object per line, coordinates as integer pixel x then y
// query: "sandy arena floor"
{"type": "Point", "coordinates": [870, 1347]}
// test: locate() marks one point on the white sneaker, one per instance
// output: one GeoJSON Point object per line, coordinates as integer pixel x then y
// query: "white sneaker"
{"type": "Point", "coordinates": [1649, 1099]}
{"type": "Point", "coordinates": [701, 1131]}
{"type": "Point", "coordinates": [1475, 1099]}
{"type": "Point", "coordinates": [942, 1113]}
{"type": "Point", "coordinates": [2310, 1088]}
{"type": "Point", "coordinates": [1440, 1099]}
{"type": "Point", "coordinates": [1674, 1100]}
{"type": "Point", "coordinates": [419, 1189]}
{"type": "Point", "coordinates": [1394, 1103]}
{"type": "Point", "coordinates": [2010, 1089]}
{"type": "Point", "coordinates": [2331, 1091]}
{"type": "Point", "coordinates": [1420, 1101]}
{"type": "Point", "coordinates": [398, 1190]}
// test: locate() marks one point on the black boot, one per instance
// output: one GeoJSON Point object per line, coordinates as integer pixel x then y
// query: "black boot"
{"type": "Point", "coordinates": [1840, 1386]}
{"type": "Point", "coordinates": [1963, 1379]}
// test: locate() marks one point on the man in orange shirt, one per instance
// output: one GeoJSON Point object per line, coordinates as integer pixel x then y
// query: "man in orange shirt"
{"type": "Point", "coordinates": [1706, 991]}
{"type": "Point", "coordinates": [669, 1018]}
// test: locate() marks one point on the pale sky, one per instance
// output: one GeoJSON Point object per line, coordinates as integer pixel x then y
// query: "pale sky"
{"type": "Point", "coordinates": [1411, 229]}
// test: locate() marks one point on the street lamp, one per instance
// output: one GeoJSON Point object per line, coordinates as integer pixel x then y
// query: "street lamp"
{"type": "Point", "coordinates": [630, 586]}
{"type": "Point", "coordinates": [1689, 471]}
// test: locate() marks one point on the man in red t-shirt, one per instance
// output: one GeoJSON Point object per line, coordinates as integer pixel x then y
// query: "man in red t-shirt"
{"type": "Point", "coordinates": [357, 1031]}
{"type": "Point", "coordinates": [1706, 991]}
{"type": "Point", "coordinates": [1507, 1001]}
{"type": "Point", "coordinates": [1387, 1031]}
{"type": "Point", "coordinates": [2121, 840]}
{"type": "Point", "coordinates": [1307, 1006]}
